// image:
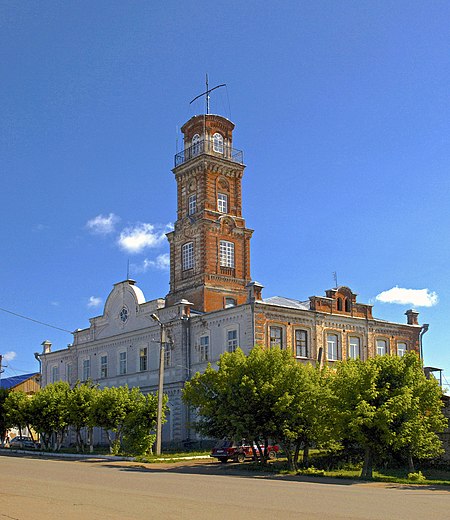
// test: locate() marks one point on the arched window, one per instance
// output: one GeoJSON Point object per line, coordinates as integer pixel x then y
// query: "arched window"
{"type": "Point", "coordinates": [195, 148]}
{"type": "Point", "coordinates": [187, 256]}
{"type": "Point", "coordinates": [339, 304]}
{"type": "Point", "coordinates": [348, 305]}
{"type": "Point", "coordinates": [218, 142]}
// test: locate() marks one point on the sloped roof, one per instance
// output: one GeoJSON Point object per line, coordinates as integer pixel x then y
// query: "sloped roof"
{"type": "Point", "coordinates": [11, 382]}
{"type": "Point", "coordinates": [287, 302]}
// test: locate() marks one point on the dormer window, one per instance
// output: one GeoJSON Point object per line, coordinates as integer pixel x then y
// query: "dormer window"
{"type": "Point", "coordinates": [339, 304]}
{"type": "Point", "coordinates": [218, 142]}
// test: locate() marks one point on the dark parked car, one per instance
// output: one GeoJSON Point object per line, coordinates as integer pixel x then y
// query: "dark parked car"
{"type": "Point", "coordinates": [21, 443]}
{"type": "Point", "coordinates": [239, 451]}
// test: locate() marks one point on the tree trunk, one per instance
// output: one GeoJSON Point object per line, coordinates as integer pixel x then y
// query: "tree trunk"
{"type": "Point", "coordinates": [367, 470]}
{"type": "Point", "coordinates": [411, 463]}
{"type": "Point", "coordinates": [306, 455]}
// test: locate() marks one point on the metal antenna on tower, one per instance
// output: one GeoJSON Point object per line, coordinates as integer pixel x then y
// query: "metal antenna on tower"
{"type": "Point", "coordinates": [335, 279]}
{"type": "Point", "coordinates": [207, 93]}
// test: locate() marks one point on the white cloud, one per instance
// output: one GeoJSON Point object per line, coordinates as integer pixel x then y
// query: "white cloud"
{"type": "Point", "coordinates": [9, 356]}
{"type": "Point", "coordinates": [102, 225]}
{"type": "Point", "coordinates": [94, 302]}
{"type": "Point", "coordinates": [142, 236]}
{"type": "Point", "coordinates": [161, 262]}
{"type": "Point", "coordinates": [415, 297]}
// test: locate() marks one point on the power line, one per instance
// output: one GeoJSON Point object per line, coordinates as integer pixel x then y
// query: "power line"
{"type": "Point", "coordinates": [36, 321]}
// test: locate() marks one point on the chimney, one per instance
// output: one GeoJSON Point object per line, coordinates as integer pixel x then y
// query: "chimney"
{"type": "Point", "coordinates": [47, 346]}
{"type": "Point", "coordinates": [411, 317]}
{"type": "Point", "coordinates": [186, 309]}
{"type": "Point", "coordinates": [254, 292]}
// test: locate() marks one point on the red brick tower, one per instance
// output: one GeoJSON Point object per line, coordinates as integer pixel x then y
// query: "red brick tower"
{"type": "Point", "coordinates": [210, 245]}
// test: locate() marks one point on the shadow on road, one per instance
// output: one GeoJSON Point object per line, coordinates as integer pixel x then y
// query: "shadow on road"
{"type": "Point", "coordinates": [240, 471]}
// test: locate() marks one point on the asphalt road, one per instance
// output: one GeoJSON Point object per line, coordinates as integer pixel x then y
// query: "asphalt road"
{"type": "Point", "coordinates": [35, 489]}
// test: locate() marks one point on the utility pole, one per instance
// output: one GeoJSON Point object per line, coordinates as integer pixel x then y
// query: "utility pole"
{"type": "Point", "coordinates": [162, 344]}
{"type": "Point", "coordinates": [1, 368]}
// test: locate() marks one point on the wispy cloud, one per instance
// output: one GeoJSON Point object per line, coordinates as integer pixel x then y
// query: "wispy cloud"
{"type": "Point", "coordinates": [415, 297]}
{"type": "Point", "coordinates": [9, 356]}
{"type": "Point", "coordinates": [142, 236]}
{"type": "Point", "coordinates": [94, 302]}
{"type": "Point", "coordinates": [103, 225]}
{"type": "Point", "coordinates": [161, 262]}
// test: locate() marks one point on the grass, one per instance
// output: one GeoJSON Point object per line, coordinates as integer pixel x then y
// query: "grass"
{"type": "Point", "coordinates": [172, 457]}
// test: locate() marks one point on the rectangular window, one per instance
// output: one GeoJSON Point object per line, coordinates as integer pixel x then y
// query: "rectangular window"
{"type": "Point", "coordinates": [104, 367]}
{"type": "Point", "coordinates": [55, 374]}
{"type": "Point", "coordinates": [226, 253]}
{"type": "Point", "coordinates": [301, 343]}
{"type": "Point", "coordinates": [401, 349]}
{"type": "Point", "coordinates": [222, 203]}
{"type": "Point", "coordinates": [204, 348]}
{"type": "Point", "coordinates": [332, 347]}
{"type": "Point", "coordinates": [192, 203]}
{"type": "Point", "coordinates": [232, 340]}
{"type": "Point", "coordinates": [143, 359]}
{"type": "Point", "coordinates": [69, 372]}
{"type": "Point", "coordinates": [86, 369]}
{"type": "Point", "coordinates": [167, 357]}
{"type": "Point", "coordinates": [381, 347]}
{"type": "Point", "coordinates": [276, 337]}
{"type": "Point", "coordinates": [354, 350]}
{"type": "Point", "coordinates": [122, 363]}
{"type": "Point", "coordinates": [187, 254]}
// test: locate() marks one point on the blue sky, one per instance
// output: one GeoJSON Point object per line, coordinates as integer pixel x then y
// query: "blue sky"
{"type": "Point", "coordinates": [342, 109]}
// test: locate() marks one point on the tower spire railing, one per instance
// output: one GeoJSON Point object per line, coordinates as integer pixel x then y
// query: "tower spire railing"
{"type": "Point", "coordinates": [207, 147]}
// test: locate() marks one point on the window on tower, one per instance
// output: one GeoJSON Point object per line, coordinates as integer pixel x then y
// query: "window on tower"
{"type": "Point", "coordinates": [226, 254]}
{"type": "Point", "coordinates": [187, 256]}
{"type": "Point", "coordinates": [192, 204]}
{"type": "Point", "coordinates": [195, 148]}
{"type": "Point", "coordinates": [222, 203]}
{"type": "Point", "coordinates": [218, 142]}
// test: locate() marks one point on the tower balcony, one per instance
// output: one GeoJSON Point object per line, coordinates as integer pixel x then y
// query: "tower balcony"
{"type": "Point", "coordinates": [208, 148]}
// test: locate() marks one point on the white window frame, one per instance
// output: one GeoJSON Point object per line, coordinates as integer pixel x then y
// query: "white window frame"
{"type": "Point", "coordinates": [122, 363]}
{"type": "Point", "coordinates": [222, 203]}
{"type": "Point", "coordinates": [187, 256]}
{"type": "Point", "coordinates": [103, 366]}
{"type": "Point", "coordinates": [276, 341]}
{"type": "Point", "coordinates": [203, 349]}
{"type": "Point", "coordinates": [232, 340]}
{"type": "Point", "coordinates": [381, 350]}
{"type": "Point", "coordinates": [86, 369]}
{"type": "Point", "coordinates": [301, 343]}
{"type": "Point", "coordinates": [402, 351]}
{"type": "Point", "coordinates": [218, 142]}
{"type": "Point", "coordinates": [143, 359]}
{"type": "Point", "coordinates": [226, 253]}
{"type": "Point", "coordinates": [354, 347]}
{"type": "Point", "coordinates": [333, 346]}
{"type": "Point", "coordinates": [192, 204]}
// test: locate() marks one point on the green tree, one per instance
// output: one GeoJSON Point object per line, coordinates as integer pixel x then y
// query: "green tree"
{"type": "Point", "coordinates": [140, 423]}
{"type": "Point", "coordinates": [386, 403]}
{"type": "Point", "coordinates": [302, 411]}
{"type": "Point", "coordinates": [50, 414]}
{"type": "Point", "coordinates": [3, 419]}
{"type": "Point", "coordinates": [265, 395]}
{"type": "Point", "coordinates": [80, 400]}
{"type": "Point", "coordinates": [18, 416]}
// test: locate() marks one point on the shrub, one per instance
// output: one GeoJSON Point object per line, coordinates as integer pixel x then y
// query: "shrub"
{"type": "Point", "coordinates": [417, 477]}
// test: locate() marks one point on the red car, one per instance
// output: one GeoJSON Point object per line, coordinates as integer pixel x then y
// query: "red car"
{"type": "Point", "coordinates": [238, 451]}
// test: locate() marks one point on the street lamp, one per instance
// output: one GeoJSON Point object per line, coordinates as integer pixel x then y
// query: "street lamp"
{"type": "Point", "coordinates": [162, 342]}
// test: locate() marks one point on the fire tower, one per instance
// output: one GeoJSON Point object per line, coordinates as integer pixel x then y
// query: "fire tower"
{"type": "Point", "coordinates": [210, 245]}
